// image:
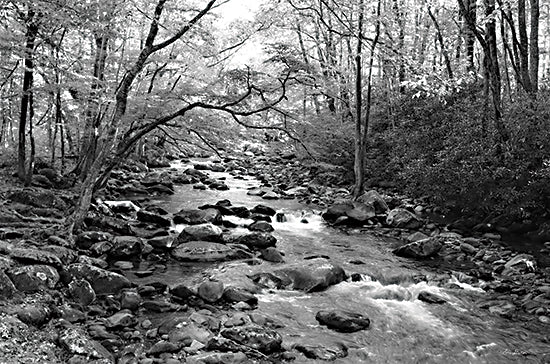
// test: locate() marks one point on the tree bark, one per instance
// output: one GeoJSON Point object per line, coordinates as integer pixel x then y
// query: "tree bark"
{"type": "Point", "coordinates": [523, 46]}
{"type": "Point", "coordinates": [442, 44]}
{"type": "Point", "coordinates": [534, 46]}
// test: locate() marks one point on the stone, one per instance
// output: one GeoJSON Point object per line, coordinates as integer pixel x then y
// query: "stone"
{"type": "Point", "coordinates": [102, 281]}
{"type": "Point", "coordinates": [130, 300]}
{"type": "Point", "coordinates": [32, 278]}
{"type": "Point", "coordinates": [360, 213]}
{"type": "Point", "coordinates": [374, 199]}
{"type": "Point", "coordinates": [234, 294]}
{"type": "Point", "coordinates": [416, 236]}
{"type": "Point", "coordinates": [75, 341]}
{"type": "Point", "coordinates": [420, 249]}
{"type": "Point", "coordinates": [66, 255]}
{"type": "Point", "coordinates": [272, 255]}
{"type": "Point", "coordinates": [263, 210]}
{"type": "Point", "coordinates": [163, 347]}
{"type": "Point", "coordinates": [467, 248]}
{"type": "Point", "coordinates": [402, 218]}
{"type": "Point", "coordinates": [126, 247]}
{"type": "Point", "coordinates": [34, 314]}
{"type": "Point", "coordinates": [271, 195]}
{"type": "Point", "coordinates": [153, 218]}
{"type": "Point", "coordinates": [7, 288]}
{"type": "Point", "coordinates": [121, 319]}
{"type": "Point", "coordinates": [264, 340]}
{"type": "Point", "coordinates": [520, 264]}
{"type": "Point", "coordinates": [82, 292]}
{"type": "Point", "coordinates": [187, 332]}
{"type": "Point", "coordinates": [35, 256]}
{"type": "Point", "coordinates": [107, 223]}
{"type": "Point", "coordinates": [181, 291]}
{"type": "Point", "coordinates": [86, 239]}
{"type": "Point", "coordinates": [429, 297]}
{"type": "Point", "coordinates": [197, 217]}
{"type": "Point", "coordinates": [203, 232]}
{"type": "Point", "coordinates": [257, 240]}
{"type": "Point", "coordinates": [261, 226]}
{"type": "Point", "coordinates": [218, 358]}
{"type": "Point", "coordinates": [337, 210]}
{"type": "Point", "coordinates": [158, 306]}
{"type": "Point", "coordinates": [210, 291]}
{"type": "Point", "coordinates": [325, 352]}
{"type": "Point", "coordinates": [343, 321]}
{"type": "Point", "coordinates": [311, 276]}
{"type": "Point", "coordinates": [203, 251]}
{"type": "Point", "coordinates": [38, 198]}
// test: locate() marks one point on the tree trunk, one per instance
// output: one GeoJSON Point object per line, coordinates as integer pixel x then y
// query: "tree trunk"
{"type": "Point", "coordinates": [471, 12]}
{"type": "Point", "coordinates": [534, 46]}
{"type": "Point", "coordinates": [28, 74]}
{"type": "Point", "coordinates": [523, 46]}
{"type": "Point", "coordinates": [442, 44]}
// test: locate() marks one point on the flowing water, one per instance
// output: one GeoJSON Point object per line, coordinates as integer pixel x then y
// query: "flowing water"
{"type": "Point", "coordinates": [403, 329]}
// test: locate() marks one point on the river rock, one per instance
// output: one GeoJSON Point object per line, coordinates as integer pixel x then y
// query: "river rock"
{"type": "Point", "coordinates": [271, 195]}
{"type": "Point", "coordinates": [210, 291]}
{"type": "Point", "coordinates": [75, 341]}
{"type": "Point", "coordinates": [361, 212]}
{"type": "Point", "coordinates": [203, 251]}
{"type": "Point", "coordinates": [66, 255]}
{"type": "Point", "coordinates": [416, 236]}
{"type": "Point", "coordinates": [181, 291]}
{"type": "Point", "coordinates": [325, 353]}
{"type": "Point", "coordinates": [342, 321]}
{"type": "Point", "coordinates": [121, 319]}
{"type": "Point", "coordinates": [257, 240]}
{"type": "Point", "coordinates": [81, 290]}
{"type": "Point", "coordinates": [107, 223]}
{"type": "Point", "coordinates": [312, 276]}
{"type": "Point", "coordinates": [261, 226]}
{"type": "Point", "coordinates": [196, 217]}
{"type": "Point", "coordinates": [373, 198]}
{"type": "Point", "coordinates": [153, 218]}
{"type": "Point", "coordinates": [272, 255]}
{"type": "Point", "coordinates": [218, 358]}
{"type": "Point", "coordinates": [203, 232]}
{"type": "Point", "coordinates": [218, 185]}
{"type": "Point", "coordinates": [420, 249]}
{"type": "Point", "coordinates": [337, 210]}
{"type": "Point", "coordinates": [38, 198]}
{"type": "Point", "coordinates": [34, 314]}
{"type": "Point", "coordinates": [7, 288]}
{"type": "Point", "coordinates": [102, 281]}
{"type": "Point", "coordinates": [263, 210]}
{"type": "Point", "coordinates": [258, 338]}
{"type": "Point", "coordinates": [33, 278]}
{"type": "Point", "coordinates": [130, 300]}
{"type": "Point", "coordinates": [234, 294]}
{"type": "Point", "coordinates": [429, 297]}
{"type": "Point", "coordinates": [122, 207]}
{"type": "Point", "coordinates": [126, 247]}
{"type": "Point", "coordinates": [163, 347]}
{"type": "Point", "coordinates": [402, 218]}
{"type": "Point", "coordinates": [86, 239]}
{"type": "Point", "coordinates": [35, 256]}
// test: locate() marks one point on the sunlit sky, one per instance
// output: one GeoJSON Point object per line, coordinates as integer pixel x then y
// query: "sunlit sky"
{"type": "Point", "coordinates": [238, 9]}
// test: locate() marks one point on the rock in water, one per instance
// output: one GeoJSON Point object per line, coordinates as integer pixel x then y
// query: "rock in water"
{"type": "Point", "coordinates": [429, 297]}
{"type": "Point", "coordinates": [102, 281]}
{"type": "Point", "coordinates": [203, 232]}
{"type": "Point", "coordinates": [315, 275]}
{"type": "Point", "coordinates": [360, 213]}
{"type": "Point", "coordinates": [203, 251]}
{"type": "Point", "coordinates": [258, 338]}
{"type": "Point", "coordinates": [32, 278]}
{"type": "Point", "coordinates": [343, 321]}
{"type": "Point", "coordinates": [210, 291]}
{"type": "Point", "coordinates": [257, 240]}
{"type": "Point", "coordinates": [420, 249]}
{"type": "Point", "coordinates": [196, 217]}
{"type": "Point", "coordinates": [324, 353]}
{"type": "Point", "coordinates": [374, 199]}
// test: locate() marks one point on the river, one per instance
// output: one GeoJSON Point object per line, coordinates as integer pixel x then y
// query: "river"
{"type": "Point", "coordinates": [403, 329]}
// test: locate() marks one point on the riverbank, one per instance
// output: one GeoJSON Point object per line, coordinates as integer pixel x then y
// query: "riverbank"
{"type": "Point", "coordinates": [130, 312]}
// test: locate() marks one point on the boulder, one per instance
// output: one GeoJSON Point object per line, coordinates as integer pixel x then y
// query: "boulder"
{"type": "Point", "coordinates": [402, 218]}
{"type": "Point", "coordinates": [203, 232]}
{"type": "Point", "coordinates": [82, 291]}
{"type": "Point", "coordinates": [360, 213]}
{"type": "Point", "coordinates": [34, 314]}
{"type": "Point", "coordinates": [210, 291]}
{"type": "Point", "coordinates": [196, 217]}
{"type": "Point", "coordinates": [421, 249]}
{"type": "Point", "coordinates": [121, 319]}
{"type": "Point", "coordinates": [234, 294]}
{"type": "Point", "coordinates": [429, 297]}
{"type": "Point", "coordinates": [337, 210]}
{"type": "Point", "coordinates": [7, 288]}
{"type": "Point", "coordinates": [311, 276]}
{"type": "Point", "coordinates": [86, 239]}
{"type": "Point", "coordinates": [263, 210]}
{"type": "Point", "coordinates": [126, 247]}
{"type": "Point", "coordinates": [153, 218]}
{"type": "Point", "coordinates": [203, 251]}
{"type": "Point", "coordinates": [35, 256]}
{"type": "Point", "coordinates": [343, 321]}
{"type": "Point", "coordinates": [75, 341]}
{"type": "Point", "coordinates": [374, 199]}
{"type": "Point", "coordinates": [258, 338]}
{"type": "Point", "coordinates": [261, 226]}
{"type": "Point", "coordinates": [324, 353]}
{"type": "Point", "coordinates": [102, 281]}
{"type": "Point", "coordinates": [107, 223]}
{"type": "Point", "coordinates": [38, 198]}
{"type": "Point", "coordinates": [33, 278]}
{"type": "Point", "coordinates": [272, 255]}
{"type": "Point", "coordinates": [520, 264]}
{"type": "Point", "coordinates": [257, 240]}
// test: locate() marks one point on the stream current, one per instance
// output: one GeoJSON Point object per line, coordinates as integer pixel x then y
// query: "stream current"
{"type": "Point", "coordinates": [403, 329]}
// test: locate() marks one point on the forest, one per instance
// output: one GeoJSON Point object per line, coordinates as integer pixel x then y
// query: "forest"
{"type": "Point", "coordinates": [388, 117]}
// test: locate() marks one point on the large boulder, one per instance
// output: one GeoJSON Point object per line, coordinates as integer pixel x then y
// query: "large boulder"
{"type": "Point", "coordinates": [257, 240]}
{"type": "Point", "coordinates": [126, 247]}
{"type": "Point", "coordinates": [342, 321]}
{"type": "Point", "coordinates": [203, 251]}
{"type": "Point", "coordinates": [35, 256]}
{"type": "Point", "coordinates": [204, 232]}
{"type": "Point", "coordinates": [153, 218]}
{"type": "Point", "coordinates": [401, 218]}
{"type": "Point", "coordinates": [107, 223]}
{"type": "Point", "coordinates": [311, 276]}
{"type": "Point", "coordinates": [38, 198]}
{"type": "Point", "coordinates": [374, 199]}
{"type": "Point", "coordinates": [263, 210]}
{"type": "Point", "coordinates": [360, 213]}
{"type": "Point", "coordinates": [421, 249]}
{"type": "Point", "coordinates": [196, 217]}
{"type": "Point", "coordinates": [75, 341]}
{"type": "Point", "coordinates": [256, 337]}
{"type": "Point", "coordinates": [101, 280]}
{"type": "Point", "coordinates": [337, 210]}
{"type": "Point", "coordinates": [86, 239]}
{"type": "Point", "coordinates": [7, 288]}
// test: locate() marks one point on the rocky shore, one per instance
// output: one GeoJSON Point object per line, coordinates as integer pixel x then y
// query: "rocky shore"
{"type": "Point", "coordinates": [67, 299]}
